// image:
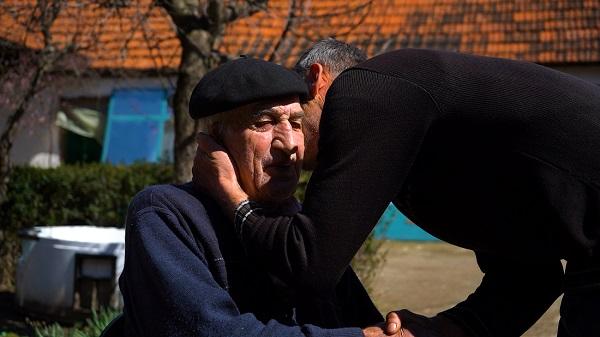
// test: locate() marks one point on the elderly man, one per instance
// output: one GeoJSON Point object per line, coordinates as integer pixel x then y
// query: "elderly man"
{"type": "Point", "coordinates": [185, 273]}
{"type": "Point", "coordinates": [498, 156]}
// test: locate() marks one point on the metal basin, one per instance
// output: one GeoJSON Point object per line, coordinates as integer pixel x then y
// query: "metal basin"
{"type": "Point", "coordinates": [69, 270]}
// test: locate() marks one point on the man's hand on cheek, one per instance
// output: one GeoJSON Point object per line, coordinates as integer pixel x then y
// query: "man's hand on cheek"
{"type": "Point", "coordinates": [214, 173]}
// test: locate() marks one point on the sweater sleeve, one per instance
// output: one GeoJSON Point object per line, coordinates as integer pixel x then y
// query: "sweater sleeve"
{"type": "Point", "coordinates": [511, 297]}
{"type": "Point", "coordinates": [357, 307]}
{"type": "Point", "coordinates": [350, 305]}
{"type": "Point", "coordinates": [169, 290]}
{"type": "Point", "coordinates": [371, 130]}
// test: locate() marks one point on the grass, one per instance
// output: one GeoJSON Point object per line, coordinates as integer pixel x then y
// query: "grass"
{"type": "Point", "coordinates": [91, 327]}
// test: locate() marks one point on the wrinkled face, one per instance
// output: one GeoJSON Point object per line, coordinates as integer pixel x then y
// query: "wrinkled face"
{"type": "Point", "coordinates": [266, 143]}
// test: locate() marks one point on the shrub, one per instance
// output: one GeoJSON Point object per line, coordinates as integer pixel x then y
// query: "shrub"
{"type": "Point", "coordinates": [302, 182]}
{"type": "Point", "coordinates": [369, 259]}
{"type": "Point", "coordinates": [90, 194]}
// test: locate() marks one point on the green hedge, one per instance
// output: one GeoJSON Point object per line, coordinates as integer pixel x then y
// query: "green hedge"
{"type": "Point", "coordinates": [98, 194]}
{"type": "Point", "coordinates": [91, 194]}
{"type": "Point", "coordinates": [88, 194]}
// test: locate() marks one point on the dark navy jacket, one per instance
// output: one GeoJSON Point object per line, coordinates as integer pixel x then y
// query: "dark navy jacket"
{"type": "Point", "coordinates": [186, 275]}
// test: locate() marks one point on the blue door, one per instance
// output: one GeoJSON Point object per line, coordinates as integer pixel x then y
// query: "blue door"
{"type": "Point", "coordinates": [135, 126]}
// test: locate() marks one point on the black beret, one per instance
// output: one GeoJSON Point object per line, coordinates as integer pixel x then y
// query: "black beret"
{"type": "Point", "coordinates": [240, 82]}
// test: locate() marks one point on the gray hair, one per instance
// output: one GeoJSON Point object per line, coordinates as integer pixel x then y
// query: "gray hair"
{"type": "Point", "coordinates": [207, 123]}
{"type": "Point", "coordinates": [334, 55]}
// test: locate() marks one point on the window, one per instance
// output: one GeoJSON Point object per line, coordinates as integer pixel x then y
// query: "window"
{"type": "Point", "coordinates": [83, 122]}
{"type": "Point", "coordinates": [131, 125]}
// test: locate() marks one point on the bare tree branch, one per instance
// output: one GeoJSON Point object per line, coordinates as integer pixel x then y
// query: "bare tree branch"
{"type": "Point", "coordinates": [184, 15]}
{"type": "Point", "coordinates": [344, 12]}
{"type": "Point", "coordinates": [244, 9]}
{"type": "Point", "coordinates": [140, 23]}
{"type": "Point", "coordinates": [286, 30]}
{"type": "Point", "coordinates": [49, 12]}
{"type": "Point", "coordinates": [6, 140]}
{"type": "Point", "coordinates": [305, 20]}
{"type": "Point", "coordinates": [362, 19]}
{"type": "Point", "coordinates": [153, 44]}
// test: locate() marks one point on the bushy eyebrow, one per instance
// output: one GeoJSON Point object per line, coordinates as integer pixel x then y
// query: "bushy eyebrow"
{"type": "Point", "coordinates": [260, 113]}
{"type": "Point", "coordinates": [272, 112]}
{"type": "Point", "coordinates": [297, 114]}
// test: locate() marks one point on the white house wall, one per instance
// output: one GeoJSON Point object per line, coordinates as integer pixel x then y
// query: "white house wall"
{"type": "Point", "coordinates": [98, 87]}
{"type": "Point", "coordinates": [37, 144]}
{"type": "Point", "coordinates": [38, 139]}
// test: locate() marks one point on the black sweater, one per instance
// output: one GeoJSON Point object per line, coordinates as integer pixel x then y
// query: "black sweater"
{"type": "Point", "coordinates": [498, 156]}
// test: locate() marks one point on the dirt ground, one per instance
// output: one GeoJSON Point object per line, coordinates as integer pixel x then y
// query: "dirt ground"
{"type": "Point", "coordinates": [423, 277]}
{"type": "Point", "coordinates": [429, 277]}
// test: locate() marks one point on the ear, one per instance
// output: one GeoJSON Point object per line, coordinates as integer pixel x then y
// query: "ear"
{"type": "Point", "coordinates": [316, 79]}
{"type": "Point", "coordinates": [216, 131]}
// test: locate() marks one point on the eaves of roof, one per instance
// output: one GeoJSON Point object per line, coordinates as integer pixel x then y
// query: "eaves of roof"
{"type": "Point", "coordinates": [142, 37]}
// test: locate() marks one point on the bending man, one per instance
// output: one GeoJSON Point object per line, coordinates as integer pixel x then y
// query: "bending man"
{"type": "Point", "coordinates": [494, 155]}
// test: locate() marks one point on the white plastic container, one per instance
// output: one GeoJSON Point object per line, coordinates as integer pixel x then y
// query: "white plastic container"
{"type": "Point", "coordinates": [56, 263]}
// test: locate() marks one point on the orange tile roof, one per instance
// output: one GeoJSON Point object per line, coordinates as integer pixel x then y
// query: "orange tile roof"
{"type": "Point", "coordinates": [139, 36]}
{"type": "Point", "coordinates": [143, 37]}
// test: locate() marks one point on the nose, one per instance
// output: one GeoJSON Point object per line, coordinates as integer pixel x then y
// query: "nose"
{"type": "Point", "coordinates": [283, 138]}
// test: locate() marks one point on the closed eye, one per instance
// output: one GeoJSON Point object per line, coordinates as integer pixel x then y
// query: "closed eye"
{"type": "Point", "coordinates": [296, 123]}
{"type": "Point", "coordinates": [262, 124]}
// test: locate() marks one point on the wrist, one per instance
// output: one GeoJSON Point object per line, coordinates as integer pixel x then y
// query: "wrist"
{"type": "Point", "coordinates": [449, 326]}
{"type": "Point", "coordinates": [231, 198]}
{"type": "Point", "coordinates": [242, 212]}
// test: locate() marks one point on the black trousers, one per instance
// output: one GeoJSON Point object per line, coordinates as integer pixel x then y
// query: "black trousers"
{"type": "Point", "coordinates": [580, 307]}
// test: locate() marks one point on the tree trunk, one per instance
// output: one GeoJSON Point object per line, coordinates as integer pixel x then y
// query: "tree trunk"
{"type": "Point", "coordinates": [196, 60]}
{"type": "Point", "coordinates": [7, 138]}
{"type": "Point", "coordinates": [200, 26]}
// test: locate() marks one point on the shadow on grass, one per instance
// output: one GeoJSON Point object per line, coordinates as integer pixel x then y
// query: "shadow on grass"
{"type": "Point", "coordinates": [11, 320]}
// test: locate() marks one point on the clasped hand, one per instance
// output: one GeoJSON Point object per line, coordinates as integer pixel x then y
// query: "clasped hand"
{"type": "Point", "coordinates": [392, 327]}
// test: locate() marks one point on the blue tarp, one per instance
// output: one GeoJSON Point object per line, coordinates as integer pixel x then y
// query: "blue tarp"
{"type": "Point", "coordinates": [135, 126]}
{"type": "Point", "coordinates": [394, 225]}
